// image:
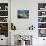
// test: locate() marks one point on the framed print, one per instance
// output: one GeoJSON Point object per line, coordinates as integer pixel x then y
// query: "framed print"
{"type": "Point", "coordinates": [21, 14]}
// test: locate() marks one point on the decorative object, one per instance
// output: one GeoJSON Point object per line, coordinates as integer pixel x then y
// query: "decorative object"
{"type": "Point", "coordinates": [41, 25]}
{"type": "Point", "coordinates": [6, 7]}
{"type": "Point", "coordinates": [23, 14]}
{"type": "Point", "coordinates": [3, 19]}
{"type": "Point", "coordinates": [3, 6]}
{"type": "Point", "coordinates": [4, 26]}
{"type": "Point", "coordinates": [4, 29]}
{"type": "Point", "coordinates": [27, 38]}
{"type": "Point", "coordinates": [41, 6]}
{"type": "Point", "coordinates": [41, 19]}
{"type": "Point", "coordinates": [41, 13]}
{"type": "Point", "coordinates": [3, 13]}
{"type": "Point", "coordinates": [42, 32]}
{"type": "Point", "coordinates": [13, 27]}
{"type": "Point", "coordinates": [31, 27]}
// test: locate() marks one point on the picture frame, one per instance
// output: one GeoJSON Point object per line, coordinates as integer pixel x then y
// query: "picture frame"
{"type": "Point", "coordinates": [22, 14]}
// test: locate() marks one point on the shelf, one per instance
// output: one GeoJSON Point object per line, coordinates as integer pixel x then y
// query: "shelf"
{"type": "Point", "coordinates": [3, 16]}
{"type": "Point", "coordinates": [41, 28]}
{"type": "Point", "coordinates": [41, 22]}
{"type": "Point", "coordinates": [3, 10]}
{"type": "Point", "coordinates": [42, 16]}
{"type": "Point", "coordinates": [4, 19]}
{"type": "Point", "coordinates": [41, 10]}
{"type": "Point", "coordinates": [42, 19]}
{"type": "Point", "coordinates": [3, 22]}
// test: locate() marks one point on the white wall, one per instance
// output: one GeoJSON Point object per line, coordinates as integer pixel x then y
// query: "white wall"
{"type": "Point", "coordinates": [23, 24]}
{"type": "Point", "coordinates": [32, 6]}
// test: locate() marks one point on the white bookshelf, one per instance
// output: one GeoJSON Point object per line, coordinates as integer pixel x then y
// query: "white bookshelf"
{"type": "Point", "coordinates": [8, 22]}
{"type": "Point", "coordinates": [4, 18]}
{"type": "Point", "coordinates": [42, 14]}
{"type": "Point", "coordinates": [3, 10]}
{"type": "Point", "coordinates": [42, 19]}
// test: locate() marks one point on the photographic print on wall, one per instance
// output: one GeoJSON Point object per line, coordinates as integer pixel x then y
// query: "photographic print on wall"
{"type": "Point", "coordinates": [22, 14]}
